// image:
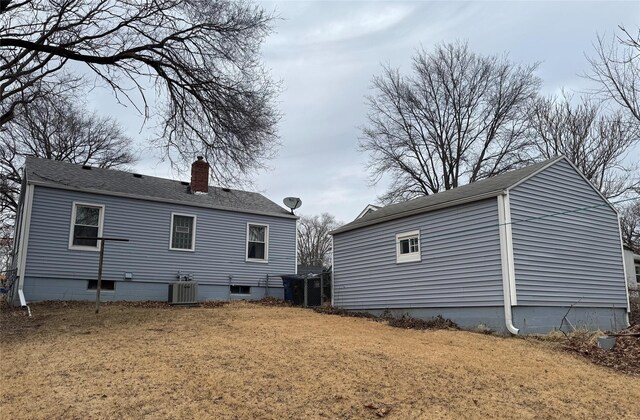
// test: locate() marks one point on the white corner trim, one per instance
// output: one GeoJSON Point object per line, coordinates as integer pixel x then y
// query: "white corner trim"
{"type": "Point", "coordinates": [266, 244]}
{"type": "Point", "coordinates": [413, 256]}
{"type": "Point", "coordinates": [333, 272]}
{"type": "Point", "coordinates": [506, 264]}
{"type": "Point", "coordinates": [295, 268]}
{"type": "Point", "coordinates": [71, 246]}
{"type": "Point", "coordinates": [193, 236]}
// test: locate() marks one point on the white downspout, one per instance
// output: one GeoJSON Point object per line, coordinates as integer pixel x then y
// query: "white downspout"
{"type": "Point", "coordinates": [624, 273]}
{"type": "Point", "coordinates": [24, 243]}
{"type": "Point", "coordinates": [506, 254]}
{"type": "Point", "coordinates": [333, 274]}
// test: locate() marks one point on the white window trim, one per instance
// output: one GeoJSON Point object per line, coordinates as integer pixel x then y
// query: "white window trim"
{"type": "Point", "coordinates": [74, 205]}
{"type": "Point", "coordinates": [413, 256]}
{"type": "Point", "coordinates": [193, 237]}
{"type": "Point", "coordinates": [266, 244]}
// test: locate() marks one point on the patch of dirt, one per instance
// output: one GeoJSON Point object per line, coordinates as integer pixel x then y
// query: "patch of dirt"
{"type": "Point", "coordinates": [405, 321]}
{"type": "Point", "coordinates": [437, 323]}
{"type": "Point", "coordinates": [245, 360]}
{"type": "Point", "coordinates": [331, 310]}
{"type": "Point", "coordinates": [271, 301]}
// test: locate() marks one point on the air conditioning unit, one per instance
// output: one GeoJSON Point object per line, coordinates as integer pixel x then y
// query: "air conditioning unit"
{"type": "Point", "coordinates": [183, 293]}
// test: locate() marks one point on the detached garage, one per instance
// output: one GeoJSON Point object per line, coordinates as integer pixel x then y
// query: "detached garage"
{"type": "Point", "coordinates": [518, 253]}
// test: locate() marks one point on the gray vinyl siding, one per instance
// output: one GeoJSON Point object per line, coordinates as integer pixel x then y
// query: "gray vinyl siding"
{"type": "Point", "coordinates": [573, 257]}
{"type": "Point", "coordinates": [460, 264]}
{"type": "Point", "coordinates": [218, 259]}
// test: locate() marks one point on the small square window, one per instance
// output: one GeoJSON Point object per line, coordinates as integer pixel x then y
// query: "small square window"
{"type": "Point", "coordinates": [240, 290]}
{"type": "Point", "coordinates": [408, 246]}
{"type": "Point", "coordinates": [104, 285]}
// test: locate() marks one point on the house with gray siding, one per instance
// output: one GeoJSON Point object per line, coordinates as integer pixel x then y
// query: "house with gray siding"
{"type": "Point", "coordinates": [230, 242]}
{"type": "Point", "coordinates": [517, 253]}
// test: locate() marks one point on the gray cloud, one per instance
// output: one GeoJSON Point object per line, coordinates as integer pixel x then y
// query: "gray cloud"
{"type": "Point", "coordinates": [325, 53]}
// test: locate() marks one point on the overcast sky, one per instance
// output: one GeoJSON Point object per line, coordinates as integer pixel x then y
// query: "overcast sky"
{"type": "Point", "coordinates": [326, 52]}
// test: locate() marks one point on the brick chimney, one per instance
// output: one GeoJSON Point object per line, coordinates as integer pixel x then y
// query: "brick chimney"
{"type": "Point", "coordinates": [200, 176]}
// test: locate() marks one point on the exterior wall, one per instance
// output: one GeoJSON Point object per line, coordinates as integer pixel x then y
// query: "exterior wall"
{"type": "Point", "coordinates": [460, 266]}
{"type": "Point", "coordinates": [39, 288]}
{"type": "Point", "coordinates": [55, 272]}
{"type": "Point", "coordinates": [564, 257]}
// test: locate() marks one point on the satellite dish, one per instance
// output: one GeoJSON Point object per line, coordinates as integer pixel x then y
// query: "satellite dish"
{"type": "Point", "coordinates": [292, 202]}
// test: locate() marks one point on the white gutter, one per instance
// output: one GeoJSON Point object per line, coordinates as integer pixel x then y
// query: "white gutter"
{"type": "Point", "coordinates": [24, 242]}
{"type": "Point", "coordinates": [506, 254]}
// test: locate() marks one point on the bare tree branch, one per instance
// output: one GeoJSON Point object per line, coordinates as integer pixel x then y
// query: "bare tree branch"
{"type": "Point", "coordinates": [52, 127]}
{"type": "Point", "coordinates": [595, 141]}
{"type": "Point", "coordinates": [616, 69]}
{"type": "Point", "coordinates": [458, 118]}
{"type": "Point", "coordinates": [192, 63]}
{"type": "Point", "coordinates": [314, 242]}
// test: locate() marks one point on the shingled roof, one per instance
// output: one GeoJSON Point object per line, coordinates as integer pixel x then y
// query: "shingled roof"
{"type": "Point", "coordinates": [115, 182]}
{"type": "Point", "coordinates": [475, 191]}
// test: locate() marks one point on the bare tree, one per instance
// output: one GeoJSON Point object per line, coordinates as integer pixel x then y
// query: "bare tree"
{"type": "Point", "coordinates": [596, 141]}
{"type": "Point", "coordinates": [314, 242]}
{"type": "Point", "coordinates": [630, 224]}
{"type": "Point", "coordinates": [616, 68]}
{"type": "Point", "coordinates": [54, 128]}
{"type": "Point", "coordinates": [192, 63]}
{"type": "Point", "coordinates": [458, 118]}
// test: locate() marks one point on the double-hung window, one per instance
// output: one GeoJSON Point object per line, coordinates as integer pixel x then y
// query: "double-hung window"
{"type": "Point", "coordinates": [257, 242]}
{"type": "Point", "coordinates": [183, 232]}
{"type": "Point", "coordinates": [408, 246]}
{"type": "Point", "coordinates": [86, 225]}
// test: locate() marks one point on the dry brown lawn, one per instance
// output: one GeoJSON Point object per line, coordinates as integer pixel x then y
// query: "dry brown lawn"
{"type": "Point", "coordinates": [248, 361]}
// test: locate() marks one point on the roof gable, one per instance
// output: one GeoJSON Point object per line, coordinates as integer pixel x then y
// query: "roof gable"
{"type": "Point", "coordinates": [69, 176]}
{"type": "Point", "coordinates": [475, 191]}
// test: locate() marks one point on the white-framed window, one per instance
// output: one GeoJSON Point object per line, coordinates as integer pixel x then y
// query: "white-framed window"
{"type": "Point", "coordinates": [408, 246]}
{"type": "Point", "coordinates": [183, 232]}
{"type": "Point", "coordinates": [257, 242]}
{"type": "Point", "coordinates": [87, 220]}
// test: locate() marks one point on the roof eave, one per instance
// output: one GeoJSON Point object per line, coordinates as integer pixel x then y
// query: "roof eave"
{"type": "Point", "coordinates": [420, 210]}
{"type": "Point", "coordinates": [156, 199]}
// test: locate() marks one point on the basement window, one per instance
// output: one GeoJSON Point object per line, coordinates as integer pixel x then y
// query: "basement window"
{"type": "Point", "coordinates": [240, 290]}
{"type": "Point", "coordinates": [408, 246]}
{"type": "Point", "coordinates": [104, 285]}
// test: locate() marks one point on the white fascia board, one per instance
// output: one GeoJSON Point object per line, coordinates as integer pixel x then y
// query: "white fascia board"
{"type": "Point", "coordinates": [421, 210]}
{"type": "Point", "coordinates": [159, 200]}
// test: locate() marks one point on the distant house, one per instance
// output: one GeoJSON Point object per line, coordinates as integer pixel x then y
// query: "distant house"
{"type": "Point", "coordinates": [515, 252]}
{"type": "Point", "coordinates": [229, 241]}
{"type": "Point", "coordinates": [367, 210]}
{"type": "Point", "coordinates": [632, 269]}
